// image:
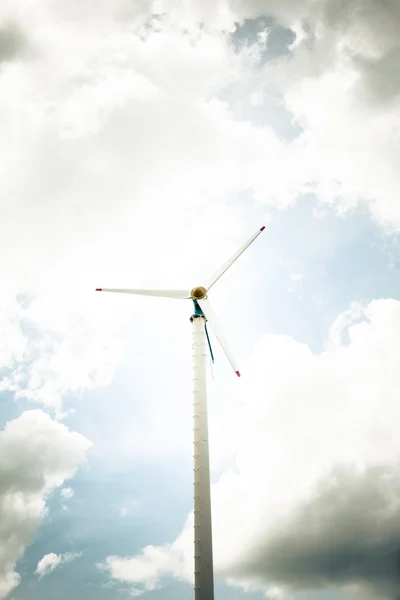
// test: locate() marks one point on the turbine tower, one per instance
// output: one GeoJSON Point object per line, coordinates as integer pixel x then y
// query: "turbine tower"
{"type": "Point", "coordinates": [203, 313]}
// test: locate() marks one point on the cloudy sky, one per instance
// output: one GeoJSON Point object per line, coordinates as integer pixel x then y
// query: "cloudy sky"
{"type": "Point", "coordinates": [141, 143]}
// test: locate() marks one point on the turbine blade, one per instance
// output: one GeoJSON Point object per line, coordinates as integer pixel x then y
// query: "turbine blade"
{"type": "Point", "coordinates": [225, 266]}
{"type": "Point", "coordinates": [212, 319]}
{"type": "Point", "coordinates": [182, 294]}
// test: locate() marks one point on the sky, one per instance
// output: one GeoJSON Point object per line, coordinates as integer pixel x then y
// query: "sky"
{"type": "Point", "coordinates": [141, 144]}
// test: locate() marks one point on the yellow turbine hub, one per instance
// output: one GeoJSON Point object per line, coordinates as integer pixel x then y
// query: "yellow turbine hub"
{"type": "Point", "coordinates": [198, 293]}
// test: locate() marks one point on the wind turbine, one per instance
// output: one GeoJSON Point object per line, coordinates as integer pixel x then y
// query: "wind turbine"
{"type": "Point", "coordinates": [203, 313]}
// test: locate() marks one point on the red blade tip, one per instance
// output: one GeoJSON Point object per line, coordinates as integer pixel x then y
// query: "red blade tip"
{"type": "Point", "coordinates": [99, 289]}
{"type": "Point", "coordinates": [262, 228]}
{"type": "Point", "coordinates": [237, 373]}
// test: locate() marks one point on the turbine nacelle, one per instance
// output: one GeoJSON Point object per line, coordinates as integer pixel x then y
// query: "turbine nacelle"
{"type": "Point", "coordinates": [199, 295]}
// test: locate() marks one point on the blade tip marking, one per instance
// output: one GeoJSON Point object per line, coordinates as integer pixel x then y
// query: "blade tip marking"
{"type": "Point", "coordinates": [99, 289]}
{"type": "Point", "coordinates": [262, 228]}
{"type": "Point", "coordinates": [237, 373]}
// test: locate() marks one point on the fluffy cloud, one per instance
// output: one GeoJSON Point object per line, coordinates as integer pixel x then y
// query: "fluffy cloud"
{"type": "Point", "coordinates": [145, 571]}
{"type": "Point", "coordinates": [48, 352]}
{"type": "Point", "coordinates": [124, 143]}
{"type": "Point", "coordinates": [88, 129]}
{"type": "Point", "coordinates": [67, 493]}
{"type": "Point", "coordinates": [313, 502]}
{"type": "Point", "coordinates": [136, 95]}
{"type": "Point", "coordinates": [36, 456]}
{"type": "Point", "coordinates": [341, 85]}
{"type": "Point", "coordinates": [49, 562]}
{"type": "Point", "coordinates": [99, 123]}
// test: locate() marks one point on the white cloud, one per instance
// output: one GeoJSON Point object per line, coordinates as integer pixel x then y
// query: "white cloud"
{"type": "Point", "coordinates": [134, 97]}
{"type": "Point", "coordinates": [67, 493]}
{"type": "Point", "coordinates": [125, 119]}
{"type": "Point", "coordinates": [36, 456]}
{"type": "Point", "coordinates": [145, 571]}
{"type": "Point", "coordinates": [342, 86]}
{"type": "Point", "coordinates": [313, 500]}
{"type": "Point", "coordinates": [49, 352]}
{"type": "Point", "coordinates": [89, 130]}
{"type": "Point", "coordinates": [47, 564]}
{"type": "Point", "coordinates": [127, 154]}
{"type": "Point", "coordinates": [51, 561]}
{"type": "Point", "coordinates": [128, 101]}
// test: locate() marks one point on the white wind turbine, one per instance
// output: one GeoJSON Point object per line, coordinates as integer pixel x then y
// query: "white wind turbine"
{"type": "Point", "coordinates": [203, 312]}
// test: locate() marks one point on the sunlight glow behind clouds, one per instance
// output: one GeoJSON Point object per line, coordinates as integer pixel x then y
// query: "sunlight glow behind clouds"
{"type": "Point", "coordinates": [88, 203]}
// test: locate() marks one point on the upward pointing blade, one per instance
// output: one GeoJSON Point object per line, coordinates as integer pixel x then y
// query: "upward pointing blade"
{"type": "Point", "coordinates": [181, 294]}
{"type": "Point", "coordinates": [212, 319]}
{"type": "Point", "coordinates": [225, 266]}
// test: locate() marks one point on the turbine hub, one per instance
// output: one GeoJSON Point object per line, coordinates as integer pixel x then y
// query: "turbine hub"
{"type": "Point", "coordinates": [198, 293]}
